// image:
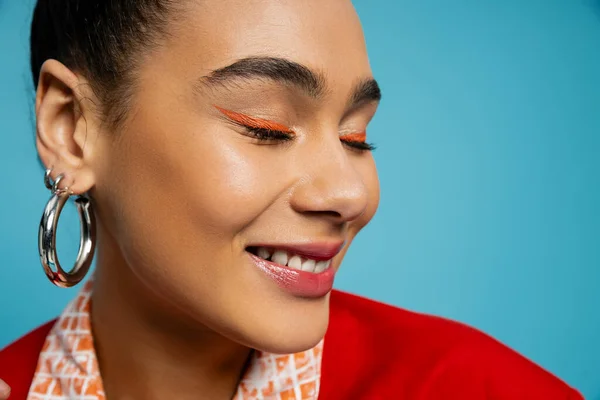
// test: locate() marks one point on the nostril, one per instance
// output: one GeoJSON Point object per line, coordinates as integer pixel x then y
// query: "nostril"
{"type": "Point", "coordinates": [333, 214]}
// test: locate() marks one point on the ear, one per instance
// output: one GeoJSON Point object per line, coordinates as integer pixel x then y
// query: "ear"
{"type": "Point", "coordinates": [66, 128]}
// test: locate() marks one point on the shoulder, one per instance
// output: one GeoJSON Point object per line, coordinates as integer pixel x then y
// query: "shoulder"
{"type": "Point", "coordinates": [18, 360]}
{"type": "Point", "coordinates": [381, 351]}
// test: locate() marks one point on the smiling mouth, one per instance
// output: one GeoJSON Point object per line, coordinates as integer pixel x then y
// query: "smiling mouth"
{"type": "Point", "coordinates": [286, 258]}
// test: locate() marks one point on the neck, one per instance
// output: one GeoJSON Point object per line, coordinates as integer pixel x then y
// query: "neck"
{"type": "Point", "coordinates": [149, 350]}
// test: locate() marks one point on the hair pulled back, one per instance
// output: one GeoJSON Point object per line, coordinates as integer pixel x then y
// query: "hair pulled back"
{"type": "Point", "coordinates": [101, 39]}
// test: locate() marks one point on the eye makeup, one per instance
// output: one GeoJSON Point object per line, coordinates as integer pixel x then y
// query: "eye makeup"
{"type": "Point", "coordinates": [357, 141]}
{"type": "Point", "coordinates": [359, 137]}
{"type": "Point", "coordinates": [260, 129]}
{"type": "Point", "coordinates": [253, 122]}
{"type": "Point", "coordinates": [265, 130]}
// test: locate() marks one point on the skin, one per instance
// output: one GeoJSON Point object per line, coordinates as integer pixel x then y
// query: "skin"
{"type": "Point", "coordinates": [180, 191]}
{"type": "Point", "coordinates": [4, 390]}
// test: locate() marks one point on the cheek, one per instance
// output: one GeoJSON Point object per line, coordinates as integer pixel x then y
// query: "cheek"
{"type": "Point", "coordinates": [228, 181]}
{"type": "Point", "coordinates": [368, 171]}
{"type": "Point", "coordinates": [224, 187]}
{"type": "Point", "coordinates": [211, 180]}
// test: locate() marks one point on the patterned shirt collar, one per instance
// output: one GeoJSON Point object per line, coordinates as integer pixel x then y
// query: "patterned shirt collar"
{"type": "Point", "coordinates": [67, 368]}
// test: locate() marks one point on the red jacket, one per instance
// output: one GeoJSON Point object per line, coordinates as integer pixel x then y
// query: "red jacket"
{"type": "Point", "coordinates": [375, 351]}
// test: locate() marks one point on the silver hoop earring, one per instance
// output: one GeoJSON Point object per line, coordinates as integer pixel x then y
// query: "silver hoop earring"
{"type": "Point", "coordinates": [47, 235]}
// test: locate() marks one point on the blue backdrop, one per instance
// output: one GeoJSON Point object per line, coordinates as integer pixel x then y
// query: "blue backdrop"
{"type": "Point", "coordinates": [489, 157]}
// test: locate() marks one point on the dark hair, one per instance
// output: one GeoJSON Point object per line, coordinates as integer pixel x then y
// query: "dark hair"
{"type": "Point", "coordinates": [101, 39]}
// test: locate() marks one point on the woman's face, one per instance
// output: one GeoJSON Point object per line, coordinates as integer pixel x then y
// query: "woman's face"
{"type": "Point", "coordinates": [245, 142]}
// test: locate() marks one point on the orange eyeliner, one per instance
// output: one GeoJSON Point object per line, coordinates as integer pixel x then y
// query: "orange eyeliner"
{"type": "Point", "coordinates": [360, 137]}
{"type": "Point", "coordinates": [253, 122]}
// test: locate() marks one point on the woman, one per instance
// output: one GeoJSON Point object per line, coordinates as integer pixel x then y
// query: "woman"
{"type": "Point", "coordinates": [218, 153]}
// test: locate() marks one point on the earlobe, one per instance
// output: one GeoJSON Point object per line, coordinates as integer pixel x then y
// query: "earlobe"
{"type": "Point", "coordinates": [62, 126]}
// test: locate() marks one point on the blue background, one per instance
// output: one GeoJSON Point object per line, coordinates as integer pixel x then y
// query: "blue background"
{"type": "Point", "coordinates": [489, 157]}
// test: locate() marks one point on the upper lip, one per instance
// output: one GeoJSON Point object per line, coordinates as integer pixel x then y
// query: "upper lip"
{"type": "Point", "coordinates": [319, 251]}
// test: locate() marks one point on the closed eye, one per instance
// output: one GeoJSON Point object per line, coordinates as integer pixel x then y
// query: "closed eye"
{"type": "Point", "coordinates": [357, 141]}
{"type": "Point", "coordinates": [266, 134]}
{"type": "Point", "coordinates": [258, 128]}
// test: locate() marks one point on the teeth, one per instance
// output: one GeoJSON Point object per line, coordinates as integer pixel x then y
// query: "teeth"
{"type": "Point", "coordinates": [295, 262]}
{"type": "Point", "coordinates": [322, 266]}
{"type": "Point", "coordinates": [264, 253]}
{"type": "Point", "coordinates": [309, 265]}
{"type": "Point", "coordinates": [280, 257]}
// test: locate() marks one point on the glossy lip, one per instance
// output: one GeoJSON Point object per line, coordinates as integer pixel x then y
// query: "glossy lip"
{"type": "Point", "coordinates": [301, 283]}
{"type": "Point", "coordinates": [297, 283]}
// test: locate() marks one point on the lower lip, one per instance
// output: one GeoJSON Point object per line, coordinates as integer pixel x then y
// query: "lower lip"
{"type": "Point", "coordinates": [296, 282]}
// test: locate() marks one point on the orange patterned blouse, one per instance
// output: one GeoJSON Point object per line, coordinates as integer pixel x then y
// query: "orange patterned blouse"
{"type": "Point", "coordinates": [67, 368]}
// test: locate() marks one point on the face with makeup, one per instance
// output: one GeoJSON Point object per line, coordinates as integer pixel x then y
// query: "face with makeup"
{"type": "Point", "coordinates": [244, 150]}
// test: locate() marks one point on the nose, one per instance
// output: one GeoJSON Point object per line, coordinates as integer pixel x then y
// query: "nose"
{"type": "Point", "coordinates": [331, 185]}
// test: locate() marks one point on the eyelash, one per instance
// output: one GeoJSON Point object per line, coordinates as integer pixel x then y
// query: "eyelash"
{"type": "Point", "coordinates": [270, 135]}
{"type": "Point", "coordinates": [360, 146]}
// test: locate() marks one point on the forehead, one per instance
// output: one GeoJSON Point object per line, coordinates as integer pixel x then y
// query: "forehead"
{"type": "Point", "coordinates": [324, 35]}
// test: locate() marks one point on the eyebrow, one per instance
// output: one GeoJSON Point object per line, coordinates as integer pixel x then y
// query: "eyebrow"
{"type": "Point", "coordinates": [283, 70]}
{"type": "Point", "coordinates": [365, 91]}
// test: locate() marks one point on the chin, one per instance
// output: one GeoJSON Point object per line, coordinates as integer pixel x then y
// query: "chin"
{"type": "Point", "coordinates": [292, 343]}
{"type": "Point", "coordinates": [291, 332]}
